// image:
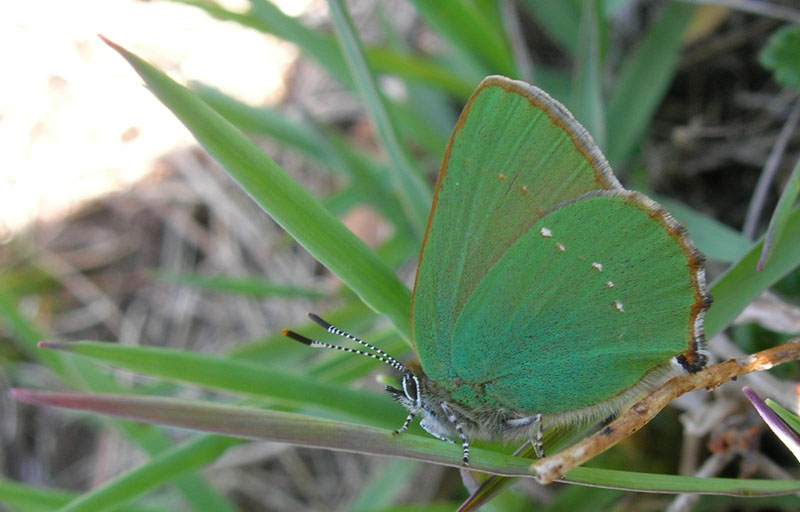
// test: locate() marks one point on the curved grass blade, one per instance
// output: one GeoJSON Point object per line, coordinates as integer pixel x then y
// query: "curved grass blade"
{"type": "Point", "coordinates": [80, 375]}
{"type": "Point", "coordinates": [269, 19]}
{"type": "Point", "coordinates": [296, 429]}
{"type": "Point", "coordinates": [742, 282]}
{"type": "Point", "coordinates": [587, 91]}
{"type": "Point", "coordinates": [249, 423]}
{"type": "Point", "coordinates": [632, 105]}
{"type": "Point", "coordinates": [160, 470]}
{"type": "Point", "coordinates": [248, 287]}
{"type": "Point", "coordinates": [774, 421]}
{"type": "Point", "coordinates": [268, 122]}
{"type": "Point", "coordinates": [414, 194]}
{"type": "Point", "coordinates": [31, 498]}
{"type": "Point", "coordinates": [288, 203]}
{"type": "Point", "coordinates": [241, 377]}
{"type": "Point", "coordinates": [777, 224]}
{"type": "Point", "coordinates": [559, 19]}
{"type": "Point", "coordinates": [715, 239]}
{"type": "Point", "coordinates": [469, 32]}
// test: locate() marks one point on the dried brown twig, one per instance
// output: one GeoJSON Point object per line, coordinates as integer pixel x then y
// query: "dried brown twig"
{"type": "Point", "coordinates": [552, 468]}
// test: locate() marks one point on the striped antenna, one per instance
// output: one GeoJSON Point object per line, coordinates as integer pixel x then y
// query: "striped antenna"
{"type": "Point", "coordinates": [380, 355]}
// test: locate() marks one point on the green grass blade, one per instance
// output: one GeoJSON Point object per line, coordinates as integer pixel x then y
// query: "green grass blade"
{"type": "Point", "coordinates": [587, 93]}
{"type": "Point", "coordinates": [469, 32]}
{"type": "Point", "coordinates": [789, 417]}
{"type": "Point", "coordinates": [777, 224]}
{"type": "Point", "coordinates": [151, 475]}
{"type": "Point", "coordinates": [319, 47]}
{"type": "Point", "coordinates": [717, 241]}
{"type": "Point", "coordinates": [304, 218]}
{"type": "Point", "coordinates": [250, 423]}
{"type": "Point", "coordinates": [31, 498]}
{"type": "Point", "coordinates": [643, 80]}
{"type": "Point", "coordinates": [416, 69]}
{"type": "Point", "coordinates": [267, 122]}
{"type": "Point", "coordinates": [327, 149]}
{"type": "Point", "coordinates": [266, 17]}
{"type": "Point", "coordinates": [743, 282]}
{"type": "Point", "coordinates": [384, 486]}
{"type": "Point", "coordinates": [414, 194]}
{"type": "Point", "coordinates": [560, 20]}
{"type": "Point", "coordinates": [612, 7]}
{"type": "Point", "coordinates": [84, 376]}
{"type": "Point", "coordinates": [242, 377]}
{"type": "Point", "coordinates": [248, 287]}
{"type": "Point", "coordinates": [650, 482]}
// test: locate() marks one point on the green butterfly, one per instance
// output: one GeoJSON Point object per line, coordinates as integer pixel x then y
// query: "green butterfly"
{"type": "Point", "coordinates": [546, 293]}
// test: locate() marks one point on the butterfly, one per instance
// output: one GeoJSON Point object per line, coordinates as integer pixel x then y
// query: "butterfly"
{"type": "Point", "coordinates": [546, 293]}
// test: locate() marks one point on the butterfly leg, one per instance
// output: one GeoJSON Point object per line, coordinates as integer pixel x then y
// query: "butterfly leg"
{"type": "Point", "coordinates": [538, 436]}
{"type": "Point", "coordinates": [454, 420]}
{"type": "Point", "coordinates": [406, 423]}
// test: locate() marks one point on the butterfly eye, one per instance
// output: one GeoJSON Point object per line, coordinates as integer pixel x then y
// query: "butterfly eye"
{"type": "Point", "coordinates": [410, 387]}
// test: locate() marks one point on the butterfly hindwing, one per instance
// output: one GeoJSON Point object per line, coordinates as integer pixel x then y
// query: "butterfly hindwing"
{"type": "Point", "coordinates": [598, 295]}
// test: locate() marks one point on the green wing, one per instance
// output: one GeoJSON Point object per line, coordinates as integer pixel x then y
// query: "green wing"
{"type": "Point", "coordinates": [596, 296]}
{"type": "Point", "coordinates": [515, 153]}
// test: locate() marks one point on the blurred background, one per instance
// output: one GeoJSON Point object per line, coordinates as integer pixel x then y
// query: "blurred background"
{"type": "Point", "coordinates": [116, 226]}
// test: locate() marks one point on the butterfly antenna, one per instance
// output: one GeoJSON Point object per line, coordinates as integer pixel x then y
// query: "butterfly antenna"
{"type": "Point", "coordinates": [380, 356]}
{"type": "Point", "coordinates": [335, 330]}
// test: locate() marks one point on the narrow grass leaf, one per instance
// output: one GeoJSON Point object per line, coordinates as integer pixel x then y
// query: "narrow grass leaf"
{"type": "Point", "coordinates": [250, 423]}
{"type": "Point", "coordinates": [777, 224]}
{"type": "Point", "coordinates": [742, 282]}
{"type": "Point", "coordinates": [789, 417]}
{"type": "Point", "coordinates": [650, 482]}
{"type": "Point", "coordinates": [385, 485]}
{"type": "Point", "coordinates": [414, 194]}
{"type": "Point", "coordinates": [717, 241]}
{"type": "Point", "coordinates": [643, 80]}
{"type": "Point", "coordinates": [423, 71]}
{"type": "Point", "coordinates": [304, 218]}
{"type": "Point", "coordinates": [587, 90]}
{"type": "Point", "coordinates": [241, 377]}
{"type": "Point", "coordinates": [560, 20]}
{"type": "Point", "coordinates": [249, 287]}
{"type": "Point", "coordinates": [268, 122]}
{"type": "Point", "coordinates": [320, 47]}
{"type": "Point", "coordinates": [30, 498]}
{"type": "Point", "coordinates": [86, 376]}
{"type": "Point", "coordinates": [774, 421]}
{"type": "Point", "coordinates": [158, 471]}
{"type": "Point", "coordinates": [469, 32]}
{"type": "Point", "coordinates": [266, 17]}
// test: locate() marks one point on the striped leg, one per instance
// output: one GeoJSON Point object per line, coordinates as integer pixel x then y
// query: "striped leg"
{"type": "Point", "coordinates": [406, 423]}
{"type": "Point", "coordinates": [538, 436]}
{"type": "Point", "coordinates": [452, 418]}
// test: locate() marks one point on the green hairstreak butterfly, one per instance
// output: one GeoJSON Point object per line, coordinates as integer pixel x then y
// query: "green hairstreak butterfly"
{"type": "Point", "coordinates": [546, 293]}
